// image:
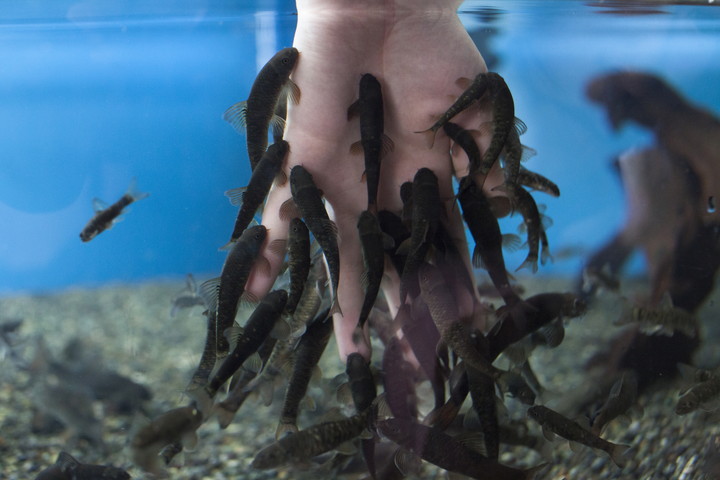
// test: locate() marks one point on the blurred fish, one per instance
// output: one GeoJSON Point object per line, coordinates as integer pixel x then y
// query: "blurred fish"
{"type": "Point", "coordinates": [209, 356]}
{"type": "Point", "coordinates": [250, 198]}
{"type": "Point", "coordinates": [438, 448]}
{"type": "Point", "coordinates": [364, 392]}
{"type": "Point", "coordinates": [423, 337]}
{"type": "Point", "coordinates": [373, 141]}
{"type": "Point", "coordinates": [392, 225]}
{"type": "Point", "coordinates": [68, 468]}
{"type": "Point", "coordinates": [8, 342]}
{"type": "Point", "coordinates": [105, 217]}
{"type": "Point", "coordinates": [177, 425]}
{"type": "Point", "coordinates": [503, 123]}
{"type": "Point", "coordinates": [305, 444]}
{"type": "Point", "coordinates": [484, 404]}
{"type": "Point", "coordinates": [399, 381]}
{"type": "Point", "coordinates": [664, 319]}
{"type": "Point", "coordinates": [474, 90]}
{"type": "Point", "coordinates": [223, 294]}
{"type": "Point", "coordinates": [188, 297]}
{"type": "Point", "coordinates": [623, 395]}
{"type": "Point", "coordinates": [307, 355]}
{"type": "Point", "coordinates": [464, 139]}
{"type": "Point", "coordinates": [371, 241]}
{"type": "Point", "coordinates": [705, 395]}
{"type": "Point", "coordinates": [308, 199]}
{"type": "Point", "coordinates": [553, 422]}
{"type": "Point", "coordinates": [523, 201]}
{"type": "Point", "coordinates": [298, 262]}
{"type": "Point", "coordinates": [256, 113]}
{"type": "Point", "coordinates": [537, 182]}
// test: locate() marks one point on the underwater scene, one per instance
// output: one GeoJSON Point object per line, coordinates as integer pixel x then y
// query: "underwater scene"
{"type": "Point", "coordinates": [366, 240]}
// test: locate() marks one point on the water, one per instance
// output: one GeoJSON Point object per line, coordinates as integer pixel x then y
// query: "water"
{"type": "Point", "coordinates": [97, 95]}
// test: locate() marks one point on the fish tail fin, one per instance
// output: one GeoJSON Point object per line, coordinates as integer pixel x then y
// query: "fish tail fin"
{"type": "Point", "coordinates": [336, 307]}
{"type": "Point", "coordinates": [618, 454]}
{"type": "Point", "coordinates": [529, 263]}
{"type": "Point", "coordinates": [429, 135]}
{"type": "Point", "coordinates": [133, 191]}
{"type": "Point", "coordinates": [224, 415]}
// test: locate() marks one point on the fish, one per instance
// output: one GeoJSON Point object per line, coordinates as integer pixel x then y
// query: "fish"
{"type": "Point", "coordinates": [176, 425]}
{"type": "Point", "coordinates": [504, 135]}
{"type": "Point", "coordinates": [66, 467]}
{"type": "Point", "coordinates": [256, 113]}
{"type": "Point", "coordinates": [530, 179]}
{"type": "Point", "coordinates": [298, 262]}
{"type": "Point", "coordinates": [553, 422]}
{"type": "Point", "coordinates": [257, 328]}
{"type": "Point", "coordinates": [426, 211]}
{"type": "Point", "coordinates": [250, 198]}
{"type": "Point", "coordinates": [392, 225]}
{"type": "Point", "coordinates": [445, 314]}
{"type": "Point", "coordinates": [188, 297]}
{"type": "Point", "coordinates": [305, 444]}
{"type": "Point", "coordinates": [362, 387]}
{"type": "Point", "coordinates": [523, 201]}
{"type": "Point", "coordinates": [308, 199]}
{"type": "Point", "coordinates": [623, 395]}
{"type": "Point", "coordinates": [399, 381]}
{"type": "Point", "coordinates": [482, 393]}
{"type": "Point", "coordinates": [439, 448]}
{"type": "Point", "coordinates": [106, 217]}
{"type": "Point", "coordinates": [373, 141]}
{"type": "Point", "coordinates": [223, 294]}
{"type": "Point", "coordinates": [704, 395]}
{"type": "Point", "coordinates": [483, 226]}
{"type": "Point", "coordinates": [307, 355]}
{"type": "Point", "coordinates": [207, 360]}
{"type": "Point", "coordinates": [371, 242]}
{"type": "Point", "coordinates": [474, 91]}
{"type": "Point", "coordinates": [665, 319]}
{"type": "Point", "coordinates": [465, 140]}
{"type": "Point", "coordinates": [423, 337]}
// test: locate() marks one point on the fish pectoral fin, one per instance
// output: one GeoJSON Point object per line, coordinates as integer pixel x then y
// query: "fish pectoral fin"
{"type": "Point", "coordinates": [387, 145]}
{"type": "Point", "coordinates": [248, 300]}
{"type": "Point", "coordinates": [477, 260]}
{"type": "Point", "coordinates": [232, 334]}
{"type": "Point", "coordinates": [278, 247]}
{"type": "Point", "coordinates": [343, 394]}
{"type": "Point", "coordinates": [189, 440]}
{"type": "Point", "coordinates": [208, 290]}
{"type": "Point", "coordinates": [474, 441]}
{"type": "Point", "coordinates": [511, 242]}
{"type": "Point", "coordinates": [253, 363]}
{"type": "Point", "coordinates": [356, 148]}
{"type": "Point", "coordinates": [293, 91]}
{"type": "Point", "coordinates": [353, 110]}
{"type": "Point", "coordinates": [281, 178]}
{"type": "Point", "coordinates": [98, 205]}
{"type": "Point", "coordinates": [347, 448]}
{"type": "Point", "coordinates": [236, 195]}
{"type": "Point", "coordinates": [281, 330]}
{"type": "Point", "coordinates": [406, 461]}
{"type": "Point", "coordinates": [277, 123]}
{"type": "Point", "coordinates": [548, 434]}
{"type": "Point", "coordinates": [463, 83]}
{"type": "Point", "coordinates": [236, 116]}
{"type": "Point", "coordinates": [289, 210]}
{"type": "Point", "coordinates": [262, 265]}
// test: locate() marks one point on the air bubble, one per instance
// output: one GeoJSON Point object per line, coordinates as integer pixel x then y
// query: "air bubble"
{"type": "Point", "coordinates": [711, 205]}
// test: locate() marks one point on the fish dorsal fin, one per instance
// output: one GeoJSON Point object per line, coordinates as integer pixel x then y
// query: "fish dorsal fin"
{"type": "Point", "coordinates": [98, 205]}
{"type": "Point", "coordinates": [236, 195]}
{"type": "Point", "coordinates": [236, 116]}
{"type": "Point", "coordinates": [208, 290]}
{"type": "Point", "coordinates": [66, 462]}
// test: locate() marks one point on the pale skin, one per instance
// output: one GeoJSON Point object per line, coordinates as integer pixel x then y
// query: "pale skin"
{"type": "Point", "coordinates": [417, 50]}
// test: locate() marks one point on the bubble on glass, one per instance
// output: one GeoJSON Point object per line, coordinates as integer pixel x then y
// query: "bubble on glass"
{"type": "Point", "coordinates": [711, 205]}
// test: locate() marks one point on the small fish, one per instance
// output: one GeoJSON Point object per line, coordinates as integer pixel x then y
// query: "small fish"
{"type": "Point", "coordinates": [704, 395]}
{"type": "Point", "coordinates": [187, 298]}
{"type": "Point", "coordinates": [504, 135]}
{"type": "Point", "coordinates": [664, 319]}
{"type": "Point", "coordinates": [176, 425]}
{"type": "Point", "coordinates": [256, 113]}
{"type": "Point", "coordinates": [251, 197]}
{"type": "Point", "coordinates": [482, 393]}
{"type": "Point", "coordinates": [305, 444]}
{"type": "Point", "coordinates": [399, 381]}
{"type": "Point", "coordinates": [308, 199]}
{"type": "Point", "coordinates": [66, 467]}
{"type": "Point", "coordinates": [209, 356]}
{"type": "Point", "coordinates": [465, 140]}
{"type": "Point", "coordinates": [524, 202]}
{"type": "Point", "coordinates": [483, 226]}
{"type": "Point", "coordinates": [228, 407]}
{"type": "Point", "coordinates": [307, 355]}
{"type": "Point", "coordinates": [298, 261]}
{"type": "Point", "coordinates": [371, 241]}
{"type": "Point", "coordinates": [223, 294]}
{"type": "Point", "coordinates": [553, 422]}
{"type": "Point", "coordinates": [439, 448]}
{"type": "Point", "coordinates": [537, 182]}
{"type": "Point", "coordinates": [364, 392]}
{"type": "Point", "coordinates": [106, 217]}
{"type": "Point", "coordinates": [392, 225]}
{"type": "Point", "coordinates": [623, 395]}
{"type": "Point", "coordinates": [474, 91]}
{"type": "Point", "coordinates": [444, 311]}
{"type": "Point", "coordinates": [261, 322]}
{"type": "Point", "coordinates": [373, 142]}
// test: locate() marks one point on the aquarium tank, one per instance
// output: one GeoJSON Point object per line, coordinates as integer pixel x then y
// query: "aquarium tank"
{"type": "Point", "coordinates": [318, 239]}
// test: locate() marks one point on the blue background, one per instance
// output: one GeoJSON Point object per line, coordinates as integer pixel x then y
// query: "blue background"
{"type": "Point", "coordinates": [93, 94]}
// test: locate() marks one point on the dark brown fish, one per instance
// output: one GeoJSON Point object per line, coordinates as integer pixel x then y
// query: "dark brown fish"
{"type": "Point", "coordinates": [106, 217]}
{"type": "Point", "coordinates": [209, 356]}
{"type": "Point", "coordinates": [551, 421]}
{"type": "Point", "coordinates": [482, 393]}
{"type": "Point", "coordinates": [472, 93]}
{"type": "Point", "coordinates": [307, 355]}
{"type": "Point", "coordinates": [256, 114]}
{"type": "Point", "coordinates": [464, 139]}
{"type": "Point", "coordinates": [537, 182]}
{"type": "Point", "coordinates": [223, 294]}
{"type": "Point", "coordinates": [399, 381]}
{"type": "Point", "coordinates": [523, 201]}
{"type": "Point", "coordinates": [298, 261]}
{"type": "Point", "coordinates": [503, 108]}
{"type": "Point", "coordinates": [371, 241]}
{"type": "Point", "coordinates": [188, 297]}
{"type": "Point", "coordinates": [305, 444]}
{"type": "Point", "coordinates": [440, 449]}
{"type": "Point", "coordinates": [392, 225]}
{"type": "Point", "coordinates": [364, 392]}
{"type": "Point", "coordinates": [261, 322]}
{"type": "Point", "coordinates": [177, 425]}
{"type": "Point", "coordinates": [308, 199]}
{"type": "Point", "coordinates": [251, 197]}
{"type": "Point", "coordinates": [67, 467]}
{"type": "Point", "coordinates": [704, 395]}
{"type": "Point", "coordinates": [423, 337]}
{"type": "Point", "coordinates": [485, 230]}
{"type": "Point", "coordinates": [373, 141]}
{"type": "Point", "coordinates": [623, 395]}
